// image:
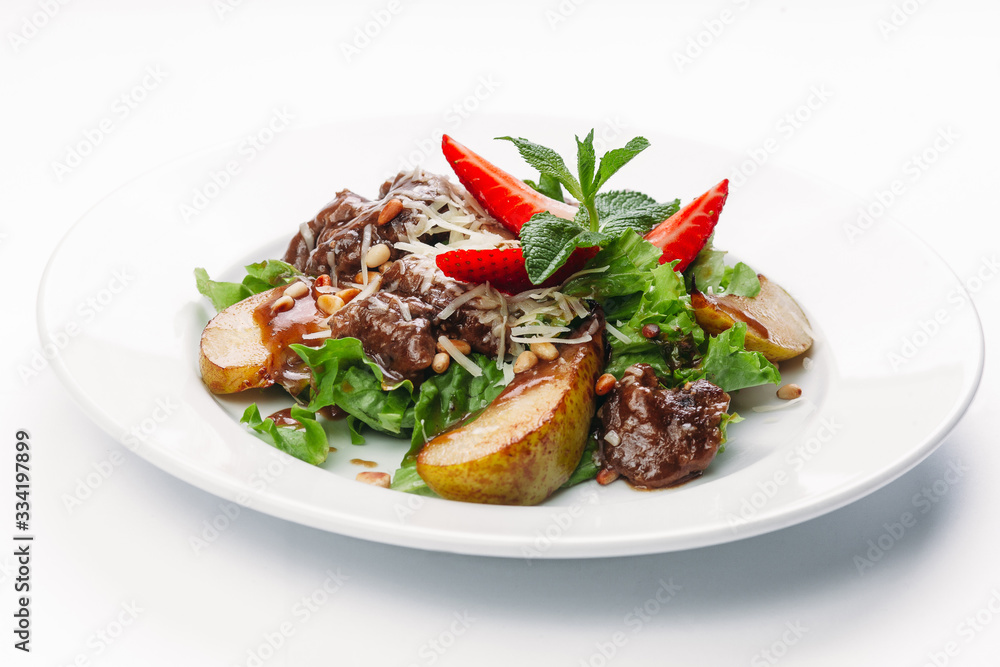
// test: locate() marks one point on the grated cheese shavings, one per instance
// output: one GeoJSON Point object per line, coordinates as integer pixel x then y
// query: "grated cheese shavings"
{"type": "Point", "coordinates": [460, 358]}
{"type": "Point", "coordinates": [617, 333]}
{"type": "Point", "coordinates": [366, 242]}
{"type": "Point", "coordinates": [448, 310]}
{"type": "Point", "coordinates": [307, 235]}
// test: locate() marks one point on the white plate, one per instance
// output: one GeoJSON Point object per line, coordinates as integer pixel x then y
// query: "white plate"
{"type": "Point", "coordinates": [898, 356]}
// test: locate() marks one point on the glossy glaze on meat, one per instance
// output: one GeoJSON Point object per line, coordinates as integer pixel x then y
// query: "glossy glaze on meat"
{"type": "Point", "coordinates": [658, 437]}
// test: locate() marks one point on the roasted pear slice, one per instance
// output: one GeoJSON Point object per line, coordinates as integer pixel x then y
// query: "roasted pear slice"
{"type": "Point", "coordinates": [776, 326]}
{"type": "Point", "coordinates": [526, 443]}
{"type": "Point", "coordinates": [233, 355]}
{"type": "Point", "coordinates": [246, 345]}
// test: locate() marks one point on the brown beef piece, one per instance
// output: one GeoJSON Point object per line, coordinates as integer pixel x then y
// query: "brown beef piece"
{"type": "Point", "coordinates": [666, 436]}
{"type": "Point", "coordinates": [416, 276]}
{"type": "Point", "coordinates": [403, 348]}
{"type": "Point", "coordinates": [338, 229]}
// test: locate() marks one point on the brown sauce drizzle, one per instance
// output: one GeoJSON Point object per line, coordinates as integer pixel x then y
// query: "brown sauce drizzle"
{"type": "Point", "coordinates": [363, 463]}
{"type": "Point", "coordinates": [279, 330]}
{"type": "Point", "coordinates": [284, 418]}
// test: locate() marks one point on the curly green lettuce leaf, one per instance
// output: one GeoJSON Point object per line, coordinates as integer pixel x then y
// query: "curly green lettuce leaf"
{"type": "Point", "coordinates": [260, 277]}
{"type": "Point", "coordinates": [444, 401]}
{"type": "Point", "coordinates": [727, 419]}
{"type": "Point", "coordinates": [664, 303]}
{"type": "Point", "coordinates": [345, 377]}
{"type": "Point", "coordinates": [728, 364]}
{"type": "Point", "coordinates": [306, 442]}
{"type": "Point", "coordinates": [709, 273]}
{"type": "Point", "coordinates": [621, 268]}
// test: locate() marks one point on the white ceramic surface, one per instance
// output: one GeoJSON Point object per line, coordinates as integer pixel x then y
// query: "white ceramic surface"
{"type": "Point", "coordinates": [898, 356]}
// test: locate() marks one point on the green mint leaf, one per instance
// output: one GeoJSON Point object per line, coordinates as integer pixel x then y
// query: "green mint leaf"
{"type": "Point", "coordinates": [617, 158]}
{"type": "Point", "coordinates": [585, 161]}
{"type": "Point", "coordinates": [618, 201]}
{"type": "Point", "coordinates": [548, 241]}
{"type": "Point", "coordinates": [619, 210]}
{"type": "Point", "coordinates": [547, 161]}
{"type": "Point", "coordinates": [548, 186]}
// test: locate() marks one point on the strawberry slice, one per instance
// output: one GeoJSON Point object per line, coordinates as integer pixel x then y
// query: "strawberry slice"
{"type": "Point", "coordinates": [683, 235]}
{"type": "Point", "coordinates": [504, 268]}
{"type": "Point", "coordinates": [508, 199]}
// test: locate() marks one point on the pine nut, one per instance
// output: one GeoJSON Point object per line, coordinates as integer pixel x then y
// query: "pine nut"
{"type": "Point", "coordinates": [605, 384]}
{"type": "Point", "coordinates": [329, 303]}
{"type": "Point", "coordinates": [348, 294]}
{"type": "Point", "coordinates": [441, 362]}
{"type": "Point", "coordinates": [359, 278]}
{"type": "Point", "coordinates": [282, 304]}
{"type": "Point", "coordinates": [377, 255]}
{"type": "Point", "coordinates": [606, 476]}
{"type": "Point", "coordinates": [546, 351]}
{"type": "Point", "coordinates": [297, 290]}
{"type": "Point", "coordinates": [385, 267]}
{"type": "Point", "coordinates": [525, 361]}
{"type": "Point", "coordinates": [389, 211]}
{"type": "Point", "coordinates": [374, 478]}
{"type": "Point", "coordinates": [462, 346]}
{"type": "Point", "coordinates": [789, 391]}
{"type": "Point", "coordinates": [323, 280]}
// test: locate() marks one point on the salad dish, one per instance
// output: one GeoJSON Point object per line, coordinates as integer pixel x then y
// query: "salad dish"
{"type": "Point", "coordinates": [870, 410]}
{"type": "Point", "coordinates": [517, 336]}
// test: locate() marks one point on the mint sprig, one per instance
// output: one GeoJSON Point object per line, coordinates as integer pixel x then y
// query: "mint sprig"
{"type": "Point", "coordinates": [548, 241]}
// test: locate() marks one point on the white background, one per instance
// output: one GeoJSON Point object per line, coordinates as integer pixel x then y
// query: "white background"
{"type": "Point", "coordinates": [888, 90]}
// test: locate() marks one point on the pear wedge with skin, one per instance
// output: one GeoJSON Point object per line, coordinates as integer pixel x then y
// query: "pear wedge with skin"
{"type": "Point", "coordinates": [528, 441]}
{"type": "Point", "coordinates": [776, 325]}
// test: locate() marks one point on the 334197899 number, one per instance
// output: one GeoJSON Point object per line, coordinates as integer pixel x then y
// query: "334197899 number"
{"type": "Point", "coordinates": [22, 481]}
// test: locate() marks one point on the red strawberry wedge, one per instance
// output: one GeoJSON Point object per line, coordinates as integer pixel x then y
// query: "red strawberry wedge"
{"type": "Point", "coordinates": [504, 268]}
{"type": "Point", "coordinates": [683, 235]}
{"type": "Point", "coordinates": [508, 199]}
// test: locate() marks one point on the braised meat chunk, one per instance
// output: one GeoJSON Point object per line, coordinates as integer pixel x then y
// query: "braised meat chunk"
{"type": "Point", "coordinates": [333, 241]}
{"type": "Point", "coordinates": [659, 437]}
{"type": "Point", "coordinates": [394, 331]}
{"type": "Point", "coordinates": [476, 321]}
